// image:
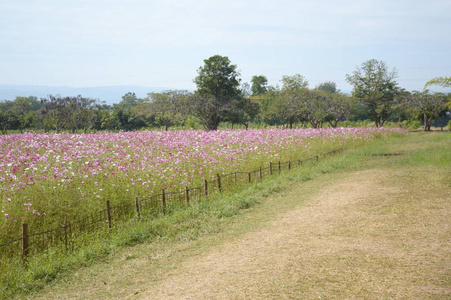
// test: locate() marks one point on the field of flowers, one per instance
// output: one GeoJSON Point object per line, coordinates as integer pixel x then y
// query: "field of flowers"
{"type": "Point", "coordinates": [47, 177]}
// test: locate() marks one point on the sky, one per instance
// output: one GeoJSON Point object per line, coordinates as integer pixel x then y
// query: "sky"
{"type": "Point", "coordinates": [90, 43]}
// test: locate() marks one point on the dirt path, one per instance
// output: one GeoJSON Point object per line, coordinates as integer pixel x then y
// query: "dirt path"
{"type": "Point", "coordinates": [371, 234]}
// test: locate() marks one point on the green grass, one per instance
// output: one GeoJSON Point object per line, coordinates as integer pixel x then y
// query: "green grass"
{"type": "Point", "coordinates": [207, 218]}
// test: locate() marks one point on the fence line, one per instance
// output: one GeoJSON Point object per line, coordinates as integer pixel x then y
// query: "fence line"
{"type": "Point", "coordinates": [102, 222]}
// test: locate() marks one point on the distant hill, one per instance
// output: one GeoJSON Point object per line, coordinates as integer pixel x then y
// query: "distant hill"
{"type": "Point", "coordinates": [109, 94]}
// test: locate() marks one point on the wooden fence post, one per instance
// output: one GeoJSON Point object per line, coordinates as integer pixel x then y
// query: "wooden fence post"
{"type": "Point", "coordinates": [187, 195]}
{"type": "Point", "coordinates": [270, 168]}
{"type": "Point", "coordinates": [261, 174]}
{"type": "Point", "coordinates": [289, 165]}
{"type": "Point", "coordinates": [250, 179]}
{"type": "Point", "coordinates": [219, 182]}
{"type": "Point", "coordinates": [163, 199]}
{"type": "Point", "coordinates": [25, 240]}
{"type": "Point", "coordinates": [65, 234]}
{"type": "Point", "coordinates": [137, 208]}
{"type": "Point", "coordinates": [108, 210]}
{"type": "Point", "coordinates": [206, 189]}
{"type": "Point", "coordinates": [279, 167]}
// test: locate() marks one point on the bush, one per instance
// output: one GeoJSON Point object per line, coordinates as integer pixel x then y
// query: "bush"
{"type": "Point", "coordinates": [411, 124]}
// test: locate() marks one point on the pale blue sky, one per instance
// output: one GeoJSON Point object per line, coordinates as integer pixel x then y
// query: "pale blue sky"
{"type": "Point", "coordinates": [88, 43]}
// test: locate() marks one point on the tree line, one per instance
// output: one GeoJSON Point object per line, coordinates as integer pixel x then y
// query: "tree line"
{"type": "Point", "coordinates": [222, 97]}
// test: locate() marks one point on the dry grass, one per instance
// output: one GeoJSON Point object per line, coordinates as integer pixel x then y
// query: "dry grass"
{"type": "Point", "coordinates": [366, 236]}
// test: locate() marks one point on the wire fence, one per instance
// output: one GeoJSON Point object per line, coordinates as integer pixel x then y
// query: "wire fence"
{"type": "Point", "coordinates": [73, 233]}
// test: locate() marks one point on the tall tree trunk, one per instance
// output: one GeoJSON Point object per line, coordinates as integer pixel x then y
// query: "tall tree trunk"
{"type": "Point", "coordinates": [427, 125]}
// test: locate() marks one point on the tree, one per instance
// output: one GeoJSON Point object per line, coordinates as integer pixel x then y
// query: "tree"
{"type": "Point", "coordinates": [166, 107]}
{"type": "Point", "coordinates": [244, 111]}
{"type": "Point", "coordinates": [25, 109]}
{"type": "Point", "coordinates": [82, 113]}
{"type": "Point", "coordinates": [317, 106]}
{"type": "Point", "coordinates": [103, 117]}
{"type": "Point", "coordinates": [218, 77]}
{"type": "Point", "coordinates": [7, 117]}
{"type": "Point", "coordinates": [207, 109]}
{"type": "Point", "coordinates": [269, 106]}
{"type": "Point", "coordinates": [428, 106]}
{"type": "Point", "coordinates": [441, 81]}
{"type": "Point", "coordinates": [129, 100]}
{"type": "Point", "coordinates": [294, 82]}
{"type": "Point", "coordinates": [68, 113]}
{"type": "Point", "coordinates": [328, 86]}
{"type": "Point", "coordinates": [339, 109]}
{"type": "Point", "coordinates": [259, 85]}
{"type": "Point", "coordinates": [217, 87]}
{"type": "Point", "coordinates": [335, 105]}
{"type": "Point", "coordinates": [285, 105]}
{"type": "Point", "coordinates": [291, 99]}
{"type": "Point", "coordinates": [56, 112]}
{"type": "Point", "coordinates": [376, 87]}
{"type": "Point", "coordinates": [126, 118]}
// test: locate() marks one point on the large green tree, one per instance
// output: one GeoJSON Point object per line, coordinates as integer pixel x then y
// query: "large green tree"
{"type": "Point", "coordinates": [217, 86]}
{"type": "Point", "coordinates": [259, 85]}
{"type": "Point", "coordinates": [426, 105]}
{"type": "Point", "coordinates": [328, 87]}
{"type": "Point", "coordinates": [339, 108]}
{"type": "Point", "coordinates": [25, 108]}
{"type": "Point", "coordinates": [244, 111]}
{"type": "Point", "coordinates": [68, 112]}
{"type": "Point", "coordinates": [292, 97]}
{"type": "Point", "coordinates": [375, 85]}
{"type": "Point", "coordinates": [218, 77]}
{"type": "Point", "coordinates": [165, 107]}
{"type": "Point", "coordinates": [8, 119]}
{"type": "Point", "coordinates": [294, 82]}
{"type": "Point", "coordinates": [336, 106]}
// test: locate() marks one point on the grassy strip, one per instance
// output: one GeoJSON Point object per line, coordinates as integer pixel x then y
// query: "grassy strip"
{"type": "Point", "coordinates": [207, 218]}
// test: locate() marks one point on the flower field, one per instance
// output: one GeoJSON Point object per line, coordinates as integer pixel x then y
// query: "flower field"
{"type": "Point", "coordinates": [47, 177]}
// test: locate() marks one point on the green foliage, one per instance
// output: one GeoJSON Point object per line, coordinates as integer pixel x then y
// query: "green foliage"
{"type": "Point", "coordinates": [218, 78]}
{"type": "Point", "coordinates": [427, 106]}
{"type": "Point", "coordinates": [259, 85]}
{"type": "Point", "coordinates": [244, 111]}
{"type": "Point", "coordinates": [166, 108]}
{"type": "Point", "coordinates": [294, 82]}
{"type": "Point", "coordinates": [7, 118]}
{"type": "Point", "coordinates": [70, 113]}
{"type": "Point", "coordinates": [411, 124]}
{"type": "Point", "coordinates": [441, 81]}
{"type": "Point", "coordinates": [376, 87]}
{"type": "Point", "coordinates": [217, 87]}
{"type": "Point", "coordinates": [328, 87]}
